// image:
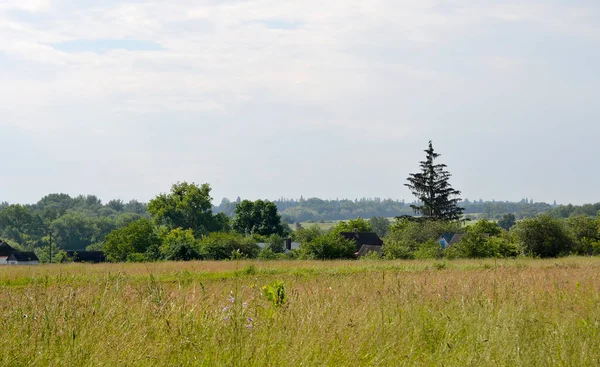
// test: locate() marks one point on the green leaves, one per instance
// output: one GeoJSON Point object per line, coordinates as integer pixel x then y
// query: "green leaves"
{"type": "Point", "coordinates": [187, 206]}
{"type": "Point", "coordinates": [258, 217]}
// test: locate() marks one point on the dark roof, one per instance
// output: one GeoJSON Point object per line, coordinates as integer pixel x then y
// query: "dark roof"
{"type": "Point", "coordinates": [363, 238]}
{"type": "Point", "coordinates": [448, 237]}
{"type": "Point", "coordinates": [365, 249]}
{"type": "Point", "coordinates": [452, 238]}
{"type": "Point", "coordinates": [456, 238]}
{"type": "Point", "coordinates": [87, 256]}
{"type": "Point", "coordinates": [23, 256]}
{"type": "Point", "coordinates": [5, 249]}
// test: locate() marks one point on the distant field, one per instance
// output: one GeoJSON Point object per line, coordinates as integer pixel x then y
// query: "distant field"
{"type": "Point", "coordinates": [342, 313]}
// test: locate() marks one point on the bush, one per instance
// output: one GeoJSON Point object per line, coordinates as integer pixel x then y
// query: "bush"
{"type": "Point", "coordinates": [584, 231]}
{"type": "Point", "coordinates": [267, 254]}
{"type": "Point", "coordinates": [221, 245]}
{"type": "Point", "coordinates": [327, 247]}
{"type": "Point", "coordinates": [393, 250]}
{"type": "Point", "coordinates": [180, 245]}
{"type": "Point", "coordinates": [472, 245]}
{"type": "Point", "coordinates": [372, 255]}
{"type": "Point", "coordinates": [429, 250]}
{"type": "Point", "coordinates": [139, 237]}
{"type": "Point", "coordinates": [421, 232]}
{"type": "Point", "coordinates": [543, 236]}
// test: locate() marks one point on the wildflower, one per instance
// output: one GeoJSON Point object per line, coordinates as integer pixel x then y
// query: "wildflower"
{"type": "Point", "coordinates": [250, 319]}
{"type": "Point", "coordinates": [245, 304]}
{"type": "Point", "coordinates": [225, 309]}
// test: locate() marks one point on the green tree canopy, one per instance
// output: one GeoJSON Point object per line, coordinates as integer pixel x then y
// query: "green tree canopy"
{"type": "Point", "coordinates": [353, 225]}
{"type": "Point", "coordinates": [187, 206]}
{"type": "Point", "coordinates": [380, 225]}
{"type": "Point", "coordinates": [432, 188]}
{"type": "Point", "coordinates": [138, 240]}
{"type": "Point", "coordinates": [180, 245]}
{"type": "Point", "coordinates": [507, 221]}
{"type": "Point", "coordinates": [327, 247]}
{"type": "Point", "coordinates": [543, 236]}
{"type": "Point", "coordinates": [258, 217]}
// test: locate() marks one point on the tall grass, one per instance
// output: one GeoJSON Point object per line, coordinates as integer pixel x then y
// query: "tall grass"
{"type": "Point", "coordinates": [368, 313]}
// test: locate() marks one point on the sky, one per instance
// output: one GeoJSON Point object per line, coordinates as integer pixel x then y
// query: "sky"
{"type": "Point", "coordinates": [269, 98]}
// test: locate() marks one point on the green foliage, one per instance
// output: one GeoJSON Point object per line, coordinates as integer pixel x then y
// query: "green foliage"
{"type": "Point", "coordinates": [438, 200]}
{"type": "Point", "coordinates": [472, 245]}
{"type": "Point", "coordinates": [485, 226]}
{"type": "Point", "coordinates": [372, 255]}
{"type": "Point", "coordinates": [380, 225]}
{"type": "Point", "coordinates": [307, 234]}
{"type": "Point", "coordinates": [414, 233]}
{"type": "Point", "coordinates": [267, 254]}
{"type": "Point", "coordinates": [275, 293]}
{"type": "Point", "coordinates": [507, 221]}
{"type": "Point", "coordinates": [402, 250]}
{"type": "Point", "coordinates": [358, 225]}
{"type": "Point", "coordinates": [221, 245]}
{"type": "Point", "coordinates": [180, 245]}
{"type": "Point", "coordinates": [543, 236]}
{"type": "Point", "coordinates": [137, 241]}
{"type": "Point", "coordinates": [482, 240]}
{"type": "Point", "coordinates": [428, 250]}
{"type": "Point", "coordinates": [328, 246]}
{"type": "Point", "coordinates": [187, 206]}
{"type": "Point", "coordinates": [584, 231]}
{"type": "Point", "coordinates": [258, 217]}
{"type": "Point", "coordinates": [276, 243]}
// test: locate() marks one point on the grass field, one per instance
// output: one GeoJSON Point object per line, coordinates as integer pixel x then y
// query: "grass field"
{"type": "Point", "coordinates": [344, 313]}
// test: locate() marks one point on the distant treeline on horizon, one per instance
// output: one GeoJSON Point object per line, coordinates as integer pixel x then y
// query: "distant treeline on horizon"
{"type": "Point", "coordinates": [78, 222]}
{"type": "Point", "coordinates": [53, 206]}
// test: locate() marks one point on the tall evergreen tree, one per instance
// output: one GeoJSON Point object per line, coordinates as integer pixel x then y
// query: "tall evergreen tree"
{"type": "Point", "coordinates": [437, 199]}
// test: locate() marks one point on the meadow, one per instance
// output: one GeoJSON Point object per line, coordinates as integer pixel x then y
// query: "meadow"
{"type": "Point", "coordinates": [517, 312]}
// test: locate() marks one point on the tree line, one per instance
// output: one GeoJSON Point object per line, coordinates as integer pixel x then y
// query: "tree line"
{"type": "Point", "coordinates": [183, 224]}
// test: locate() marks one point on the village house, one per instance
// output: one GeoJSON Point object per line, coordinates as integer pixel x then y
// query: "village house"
{"type": "Point", "coordinates": [366, 242]}
{"type": "Point", "coordinates": [448, 239]}
{"type": "Point", "coordinates": [92, 257]}
{"type": "Point", "coordinates": [5, 251]}
{"type": "Point", "coordinates": [22, 258]}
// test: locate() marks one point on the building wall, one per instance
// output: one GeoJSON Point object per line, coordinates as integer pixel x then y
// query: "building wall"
{"type": "Point", "coordinates": [3, 260]}
{"type": "Point", "coordinates": [12, 262]}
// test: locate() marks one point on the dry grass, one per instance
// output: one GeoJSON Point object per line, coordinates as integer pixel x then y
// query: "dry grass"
{"type": "Point", "coordinates": [482, 313]}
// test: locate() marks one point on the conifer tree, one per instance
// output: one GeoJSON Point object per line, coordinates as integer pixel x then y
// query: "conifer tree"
{"type": "Point", "coordinates": [437, 199]}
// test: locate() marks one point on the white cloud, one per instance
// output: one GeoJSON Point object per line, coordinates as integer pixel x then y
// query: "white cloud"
{"type": "Point", "coordinates": [382, 70]}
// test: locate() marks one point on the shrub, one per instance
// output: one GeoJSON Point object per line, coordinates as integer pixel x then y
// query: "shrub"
{"type": "Point", "coordinates": [584, 231]}
{"type": "Point", "coordinates": [421, 232]}
{"type": "Point", "coordinates": [543, 236]}
{"type": "Point", "coordinates": [221, 245]}
{"type": "Point", "coordinates": [429, 250]}
{"type": "Point", "coordinates": [179, 244]}
{"type": "Point", "coordinates": [393, 250]}
{"type": "Point", "coordinates": [139, 237]}
{"type": "Point", "coordinates": [372, 255]}
{"type": "Point", "coordinates": [327, 247]}
{"type": "Point", "coordinates": [267, 254]}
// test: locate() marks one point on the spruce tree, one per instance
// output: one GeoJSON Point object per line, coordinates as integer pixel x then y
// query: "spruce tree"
{"type": "Point", "coordinates": [437, 199]}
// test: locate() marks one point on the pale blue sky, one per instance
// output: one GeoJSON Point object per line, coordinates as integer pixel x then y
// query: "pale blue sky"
{"type": "Point", "coordinates": [268, 98]}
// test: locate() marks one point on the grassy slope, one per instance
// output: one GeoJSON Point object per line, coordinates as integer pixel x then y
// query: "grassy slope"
{"type": "Point", "coordinates": [510, 312]}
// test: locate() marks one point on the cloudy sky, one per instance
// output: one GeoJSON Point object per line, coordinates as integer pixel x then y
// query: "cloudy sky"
{"type": "Point", "coordinates": [271, 98]}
